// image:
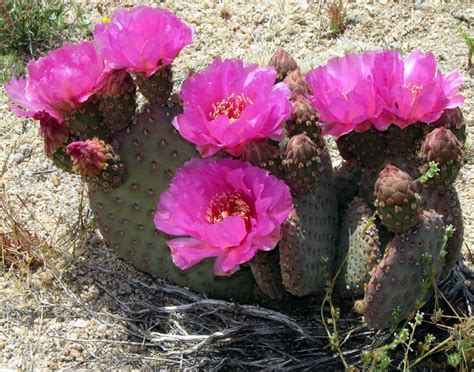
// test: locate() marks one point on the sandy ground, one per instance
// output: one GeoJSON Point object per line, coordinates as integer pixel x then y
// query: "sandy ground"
{"type": "Point", "coordinates": [67, 314]}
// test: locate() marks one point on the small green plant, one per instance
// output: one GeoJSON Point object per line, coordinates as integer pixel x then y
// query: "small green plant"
{"type": "Point", "coordinates": [431, 172]}
{"type": "Point", "coordinates": [11, 64]}
{"type": "Point", "coordinates": [337, 17]}
{"type": "Point", "coordinates": [470, 45]}
{"type": "Point", "coordinates": [408, 341]}
{"type": "Point", "coordinates": [333, 336]}
{"type": "Point", "coordinates": [30, 27]}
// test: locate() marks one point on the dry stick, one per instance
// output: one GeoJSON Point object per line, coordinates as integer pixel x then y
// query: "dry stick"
{"type": "Point", "coordinates": [211, 338]}
{"type": "Point", "coordinates": [251, 310]}
{"type": "Point", "coordinates": [431, 351]}
{"type": "Point", "coordinates": [219, 305]}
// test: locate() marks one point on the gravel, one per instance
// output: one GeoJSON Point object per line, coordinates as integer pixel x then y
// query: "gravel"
{"type": "Point", "coordinates": [65, 315]}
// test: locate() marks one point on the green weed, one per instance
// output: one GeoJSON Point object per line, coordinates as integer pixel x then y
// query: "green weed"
{"type": "Point", "coordinates": [28, 28]}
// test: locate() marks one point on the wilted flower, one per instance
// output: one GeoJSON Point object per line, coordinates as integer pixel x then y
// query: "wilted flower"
{"type": "Point", "coordinates": [116, 84]}
{"type": "Point", "coordinates": [223, 208]}
{"type": "Point", "coordinates": [60, 82]}
{"type": "Point", "coordinates": [228, 105]}
{"type": "Point", "coordinates": [143, 39]}
{"type": "Point", "coordinates": [53, 131]}
{"type": "Point", "coordinates": [89, 157]}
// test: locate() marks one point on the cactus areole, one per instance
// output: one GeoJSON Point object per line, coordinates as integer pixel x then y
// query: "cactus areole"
{"type": "Point", "coordinates": [233, 193]}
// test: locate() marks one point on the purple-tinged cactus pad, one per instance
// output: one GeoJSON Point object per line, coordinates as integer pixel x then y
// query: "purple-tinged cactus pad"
{"type": "Point", "coordinates": [400, 283]}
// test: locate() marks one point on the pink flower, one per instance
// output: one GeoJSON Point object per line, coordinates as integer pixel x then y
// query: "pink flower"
{"type": "Point", "coordinates": [223, 208]}
{"type": "Point", "coordinates": [377, 88]}
{"type": "Point", "coordinates": [344, 94]}
{"type": "Point", "coordinates": [228, 105]}
{"type": "Point", "coordinates": [26, 103]}
{"type": "Point", "coordinates": [53, 131]}
{"type": "Point", "coordinates": [60, 82]}
{"type": "Point", "coordinates": [143, 39]}
{"type": "Point", "coordinates": [421, 92]}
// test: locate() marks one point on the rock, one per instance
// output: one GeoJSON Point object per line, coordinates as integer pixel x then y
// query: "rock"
{"type": "Point", "coordinates": [74, 353]}
{"type": "Point", "coordinates": [18, 157]}
{"type": "Point", "coordinates": [55, 180]}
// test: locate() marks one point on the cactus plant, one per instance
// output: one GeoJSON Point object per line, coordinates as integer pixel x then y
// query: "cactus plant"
{"type": "Point", "coordinates": [261, 215]}
{"type": "Point", "coordinates": [359, 248]}
{"type": "Point", "coordinates": [307, 255]}
{"type": "Point", "coordinates": [151, 151]}
{"type": "Point", "coordinates": [411, 262]}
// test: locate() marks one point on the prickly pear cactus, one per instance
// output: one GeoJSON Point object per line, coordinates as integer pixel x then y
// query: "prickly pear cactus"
{"type": "Point", "coordinates": [367, 147]}
{"type": "Point", "coordinates": [307, 254]}
{"type": "Point", "coordinates": [447, 205]}
{"type": "Point", "coordinates": [386, 197]}
{"type": "Point", "coordinates": [346, 178]}
{"type": "Point", "coordinates": [151, 151]}
{"type": "Point", "coordinates": [265, 268]}
{"type": "Point", "coordinates": [401, 282]}
{"type": "Point", "coordinates": [359, 248]}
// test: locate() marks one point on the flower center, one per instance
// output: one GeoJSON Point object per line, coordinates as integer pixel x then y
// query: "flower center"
{"type": "Point", "coordinates": [231, 107]}
{"type": "Point", "coordinates": [225, 204]}
{"type": "Point", "coordinates": [415, 89]}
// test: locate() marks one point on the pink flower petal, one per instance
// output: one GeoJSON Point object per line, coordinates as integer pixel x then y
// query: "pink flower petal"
{"type": "Point", "coordinates": [187, 252]}
{"type": "Point", "coordinates": [142, 39]}
{"type": "Point", "coordinates": [228, 105]}
{"type": "Point", "coordinates": [226, 208]}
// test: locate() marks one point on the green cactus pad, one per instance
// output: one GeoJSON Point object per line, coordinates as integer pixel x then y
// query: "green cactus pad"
{"type": "Point", "coordinates": [447, 204]}
{"type": "Point", "coordinates": [446, 175]}
{"type": "Point", "coordinates": [61, 159]}
{"type": "Point", "coordinates": [150, 151]}
{"type": "Point", "coordinates": [359, 241]}
{"type": "Point", "coordinates": [400, 218]}
{"type": "Point", "coordinates": [265, 268]}
{"type": "Point", "coordinates": [401, 281]}
{"type": "Point", "coordinates": [368, 147]}
{"type": "Point", "coordinates": [403, 142]}
{"type": "Point", "coordinates": [346, 178]}
{"type": "Point", "coordinates": [87, 122]}
{"type": "Point", "coordinates": [118, 111]}
{"type": "Point", "coordinates": [156, 88]}
{"type": "Point", "coordinates": [308, 245]}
